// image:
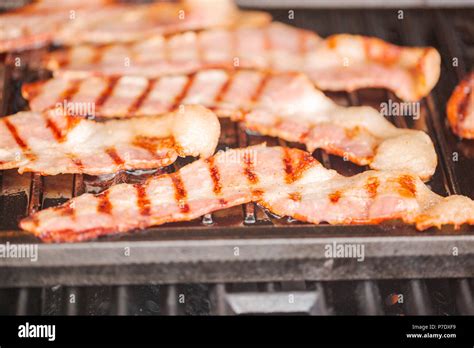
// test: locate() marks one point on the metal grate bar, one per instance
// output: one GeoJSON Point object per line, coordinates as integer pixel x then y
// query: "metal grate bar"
{"type": "Point", "coordinates": [369, 301]}
{"type": "Point", "coordinates": [418, 300]}
{"type": "Point", "coordinates": [218, 299]}
{"type": "Point", "coordinates": [464, 297]}
{"type": "Point", "coordinates": [72, 300]}
{"type": "Point", "coordinates": [22, 301]}
{"type": "Point", "coordinates": [121, 296]}
{"type": "Point", "coordinates": [171, 300]}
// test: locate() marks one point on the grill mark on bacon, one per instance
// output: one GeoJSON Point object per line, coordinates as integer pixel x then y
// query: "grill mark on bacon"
{"type": "Point", "coordinates": [70, 91]}
{"type": "Point", "coordinates": [371, 186]}
{"type": "Point", "coordinates": [180, 97]}
{"type": "Point", "coordinates": [257, 194]}
{"type": "Point", "coordinates": [137, 103]}
{"type": "Point", "coordinates": [215, 175]}
{"type": "Point", "coordinates": [112, 152]}
{"type": "Point", "coordinates": [295, 196]}
{"type": "Point", "coordinates": [304, 136]}
{"type": "Point", "coordinates": [224, 88]}
{"type": "Point", "coordinates": [20, 142]}
{"type": "Point", "coordinates": [104, 205]}
{"type": "Point", "coordinates": [152, 144]}
{"type": "Point", "coordinates": [335, 196]}
{"type": "Point", "coordinates": [407, 185]}
{"type": "Point", "coordinates": [287, 164]}
{"type": "Point", "coordinates": [249, 170]}
{"type": "Point", "coordinates": [98, 55]}
{"type": "Point", "coordinates": [72, 122]}
{"type": "Point", "coordinates": [107, 92]}
{"type": "Point", "coordinates": [295, 169]}
{"type": "Point", "coordinates": [260, 88]}
{"type": "Point", "coordinates": [77, 161]}
{"type": "Point", "coordinates": [180, 193]}
{"type": "Point", "coordinates": [61, 135]}
{"type": "Point", "coordinates": [12, 129]}
{"type": "Point", "coordinates": [53, 127]}
{"type": "Point", "coordinates": [143, 202]}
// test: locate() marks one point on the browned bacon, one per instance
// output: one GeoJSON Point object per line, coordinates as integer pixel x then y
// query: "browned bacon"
{"type": "Point", "coordinates": [340, 62]}
{"type": "Point", "coordinates": [288, 182]}
{"type": "Point", "coordinates": [104, 21]}
{"type": "Point", "coordinates": [53, 142]}
{"type": "Point", "coordinates": [460, 108]}
{"type": "Point", "coordinates": [286, 105]}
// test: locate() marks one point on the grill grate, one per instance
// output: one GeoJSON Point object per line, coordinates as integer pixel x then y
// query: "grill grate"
{"type": "Point", "coordinates": [371, 297]}
{"type": "Point", "coordinates": [281, 249]}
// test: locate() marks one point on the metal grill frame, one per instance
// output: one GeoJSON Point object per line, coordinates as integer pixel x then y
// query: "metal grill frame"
{"type": "Point", "coordinates": [246, 244]}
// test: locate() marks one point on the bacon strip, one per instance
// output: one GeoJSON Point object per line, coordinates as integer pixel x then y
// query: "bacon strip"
{"type": "Point", "coordinates": [105, 21]}
{"type": "Point", "coordinates": [340, 62]}
{"type": "Point", "coordinates": [460, 108]}
{"type": "Point", "coordinates": [36, 25]}
{"type": "Point", "coordinates": [286, 105]}
{"type": "Point", "coordinates": [53, 142]}
{"type": "Point", "coordinates": [288, 182]}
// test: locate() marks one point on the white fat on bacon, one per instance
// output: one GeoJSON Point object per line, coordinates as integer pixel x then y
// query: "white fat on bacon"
{"type": "Point", "coordinates": [285, 105]}
{"type": "Point", "coordinates": [52, 142]}
{"type": "Point", "coordinates": [339, 62]}
{"type": "Point", "coordinates": [288, 182]}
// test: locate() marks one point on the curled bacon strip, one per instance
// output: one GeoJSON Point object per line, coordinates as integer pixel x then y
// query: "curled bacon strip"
{"type": "Point", "coordinates": [285, 181]}
{"type": "Point", "coordinates": [53, 142]}
{"type": "Point", "coordinates": [286, 105]}
{"type": "Point", "coordinates": [460, 108]}
{"type": "Point", "coordinates": [340, 62]}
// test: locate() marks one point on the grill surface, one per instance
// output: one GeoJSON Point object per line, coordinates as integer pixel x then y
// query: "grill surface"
{"type": "Point", "coordinates": [220, 246]}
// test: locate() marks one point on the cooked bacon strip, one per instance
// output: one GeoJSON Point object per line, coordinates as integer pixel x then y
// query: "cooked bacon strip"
{"type": "Point", "coordinates": [286, 105]}
{"type": "Point", "coordinates": [340, 62]}
{"type": "Point", "coordinates": [460, 108]}
{"type": "Point", "coordinates": [37, 24]}
{"type": "Point", "coordinates": [51, 143]}
{"type": "Point", "coordinates": [286, 181]}
{"type": "Point", "coordinates": [103, 22]}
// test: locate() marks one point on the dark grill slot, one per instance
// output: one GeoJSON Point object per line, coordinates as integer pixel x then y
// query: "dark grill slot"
{"type": "Point", "coordinates": [407, 272]}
